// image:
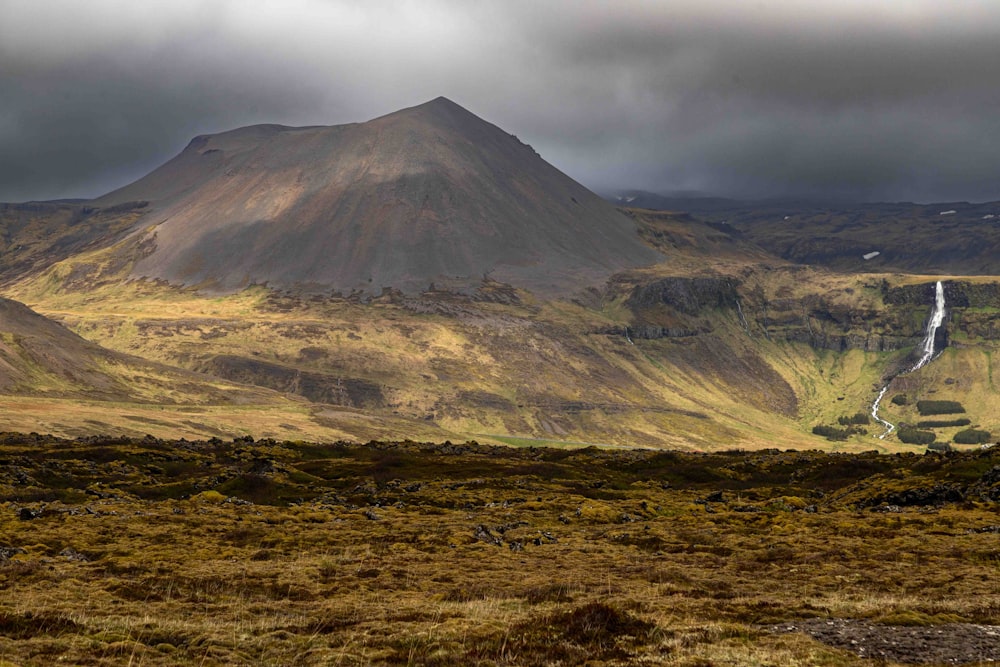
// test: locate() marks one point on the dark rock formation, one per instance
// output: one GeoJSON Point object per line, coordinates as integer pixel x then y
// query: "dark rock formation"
{"type": "Point", "coordinates": [690, 296]}
{"type": "Point", "coordinates": [317, 387]}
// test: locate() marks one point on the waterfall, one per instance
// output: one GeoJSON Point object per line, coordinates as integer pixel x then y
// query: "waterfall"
{"type": "Point", "coordinates": [937, 316]}
{"type": "Point", "coordinates": [743, 319]}
{"type": "Point", "coordinates": [926, 354]}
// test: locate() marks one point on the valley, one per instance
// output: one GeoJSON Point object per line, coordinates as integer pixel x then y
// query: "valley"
{"type": "Point", "coordinates": [717, 347]}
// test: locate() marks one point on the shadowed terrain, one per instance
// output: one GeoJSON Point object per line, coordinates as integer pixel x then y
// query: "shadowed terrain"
{"type": "Point", "coordinates": [949, 238]}
{"type": "Point", "coordinates": [430, 194]}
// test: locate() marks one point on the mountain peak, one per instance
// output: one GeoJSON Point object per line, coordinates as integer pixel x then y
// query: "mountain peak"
{"type": "Point", "coordinates": [439, 110]}
{"type": "Point", "coordinates": [428, 194]}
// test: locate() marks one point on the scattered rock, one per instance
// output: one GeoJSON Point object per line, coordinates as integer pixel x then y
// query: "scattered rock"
{"type": "Point", "coordinates": [985, 529]}
{"type": "Point", "coordinates": [503, 528]}
{"type": "Point", "coordinates": [715, 497]}
{"type": "Point", "coordinates": [371, 515]}
{"type": "Point", "coordinates": [27, 514]}
{"type": "Point", "coordinates": [746, 508]}
{"type": "Point", "coordinates": [483, 534]}
{"type": "Point", "coordinates": [72, 554]}
{"type": "Point", "coordinates": [992, 476]}
{"type": "Point", "coordinates": [939, 494]}
{"type": "Point", "coordinates": [6, 553]}
{"type": "Point", "coordinates": [888, 509]}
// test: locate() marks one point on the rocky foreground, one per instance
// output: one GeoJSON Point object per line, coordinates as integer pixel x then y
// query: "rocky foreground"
{"type": "Point", "coordinates": [242, 552]}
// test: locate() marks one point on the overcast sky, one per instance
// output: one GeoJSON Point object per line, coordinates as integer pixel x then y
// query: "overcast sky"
{"type": "Point", "coordinates": [863, 99]}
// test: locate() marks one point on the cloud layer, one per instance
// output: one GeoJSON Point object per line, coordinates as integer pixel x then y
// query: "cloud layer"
{"type": "Point", "coordinates": [862, 100]}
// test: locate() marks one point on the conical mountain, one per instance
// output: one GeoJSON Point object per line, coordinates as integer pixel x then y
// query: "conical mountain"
{"type": "Point", "coordinates": [430, 194]}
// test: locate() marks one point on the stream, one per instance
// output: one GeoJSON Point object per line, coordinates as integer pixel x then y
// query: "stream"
{"type": "Point", "coordinates": [926, 354]}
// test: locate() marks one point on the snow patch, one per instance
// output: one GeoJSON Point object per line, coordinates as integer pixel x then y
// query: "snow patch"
{"type": "Point", "coordinates": [873, 253]}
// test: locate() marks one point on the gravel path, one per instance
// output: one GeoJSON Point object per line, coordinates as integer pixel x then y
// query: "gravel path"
{"type": "Point", "coordinates": [953, 644]}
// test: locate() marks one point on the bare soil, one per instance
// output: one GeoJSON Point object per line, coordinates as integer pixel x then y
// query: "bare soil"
{"type": "Point", "coordinates": [950, 644]}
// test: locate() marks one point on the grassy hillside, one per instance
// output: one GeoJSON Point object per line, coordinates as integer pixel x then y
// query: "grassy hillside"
{"type": "Point", "coordinates": [720, 348]}
{"type": "Point", "coordinates": [712, 374]}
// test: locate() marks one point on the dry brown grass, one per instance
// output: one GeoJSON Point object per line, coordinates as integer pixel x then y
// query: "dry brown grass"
{"type": "Point", "coordinates": [288, 553]}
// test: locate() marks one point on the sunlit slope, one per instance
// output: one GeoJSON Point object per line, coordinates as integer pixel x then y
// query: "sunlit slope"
{"type": "Point", "coordinates": [720, 347]}
{"type": "Point", "coordinates": [688, 369]}
{"type": "Point", "coordinates": [53, 381]}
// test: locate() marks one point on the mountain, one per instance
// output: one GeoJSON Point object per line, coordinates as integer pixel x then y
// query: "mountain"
{"type": "Point", "coordinates": [430, 194]}
{"type": "Point", "coordinates": [704, 330]}
{"type": "Point", "coordinates": [36, 235]}
{"type": "Point", "coordinates": [36, 353]}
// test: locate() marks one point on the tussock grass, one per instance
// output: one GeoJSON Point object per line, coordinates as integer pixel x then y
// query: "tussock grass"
{"type": "Point", "coordinates": [360, 562]}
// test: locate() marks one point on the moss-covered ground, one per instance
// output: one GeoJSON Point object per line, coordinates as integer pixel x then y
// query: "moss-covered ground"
{"type": "Point", "coordinates": [157, 552]}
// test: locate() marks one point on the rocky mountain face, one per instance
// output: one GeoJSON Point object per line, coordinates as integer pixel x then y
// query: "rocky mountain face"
{"type": "Point", "coordinates": [677, 307]}
{"type": "Point", "coordinates": [427, 196]}
{"type": "Point", "coordinates": [36, 235]}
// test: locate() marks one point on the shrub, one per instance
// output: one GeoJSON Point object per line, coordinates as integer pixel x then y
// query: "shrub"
{"type": "Point", "coordinates": [860, 418]}
{"type": "Point", "coordinates": [900, 399]}
{"type": "Point", "coordinates": [939, 407]}
{"type": "Point", "coordinates": [913, 436]}
{"type": "Point", "coordinates": [931, 423]}
{"type": "Point", "coordinates": [971, 436]}
{"type": "Point", "coordinates": [833, 433]}
{"type": "Point", "coordinates": [830, 432]}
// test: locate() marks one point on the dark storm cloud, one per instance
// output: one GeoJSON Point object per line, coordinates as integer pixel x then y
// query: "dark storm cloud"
{"type": "Point", "coordinates": [867, 100]}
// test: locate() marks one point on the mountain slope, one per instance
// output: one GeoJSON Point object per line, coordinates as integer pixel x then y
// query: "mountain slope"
{"type": "Point", "coordinates": [53, 381]}
{"type": "Point", "coordinates": [430, 194]}
{"type": "Point", "coordinates": [39, 357]}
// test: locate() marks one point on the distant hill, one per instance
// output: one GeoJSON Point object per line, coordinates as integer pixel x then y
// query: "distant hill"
{"type": "Point", "coordinates": [958, 238]}
{"type": "Point", "coordinates": [430, 194]}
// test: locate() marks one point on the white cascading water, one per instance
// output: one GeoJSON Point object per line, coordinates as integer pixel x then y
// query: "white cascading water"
{"type": "Point", "coordinates": [889, 426]}
{"type": "Point", "coordinates": [937, 316]}
{"type": "Point", "coordinates": [926, 354]}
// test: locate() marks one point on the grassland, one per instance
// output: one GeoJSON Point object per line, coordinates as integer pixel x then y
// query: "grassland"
{"type": "Point", "coordinates": [558, 371]}
{"type": "Point", "coordinates": [151, 552]}
{"type": "Point", "coordinates": [521, 368]}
